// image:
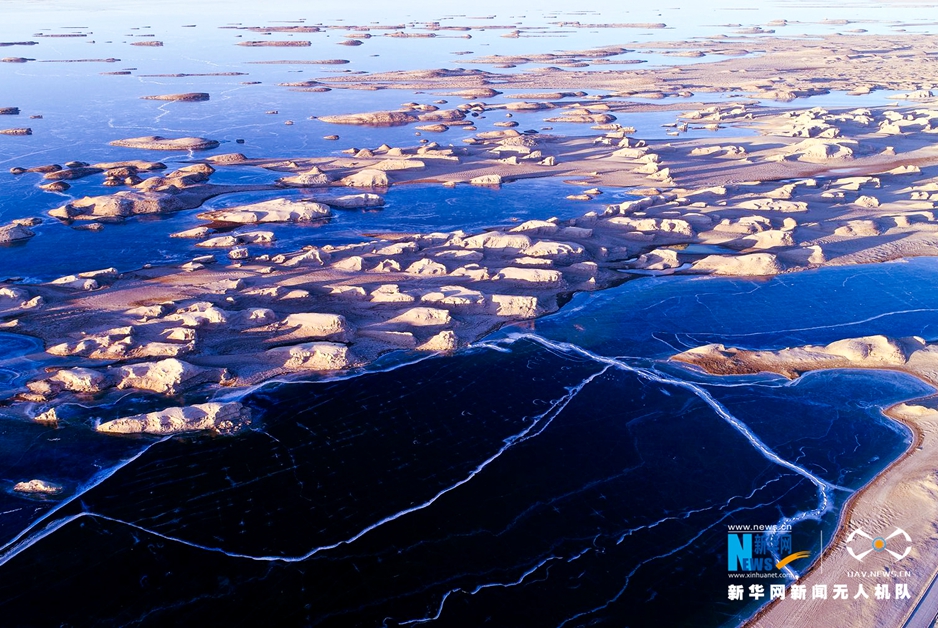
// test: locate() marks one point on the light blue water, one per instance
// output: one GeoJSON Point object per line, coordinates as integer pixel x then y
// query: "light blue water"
{"type": "Point", "coordinates": [58, 249]}
{"type": "Point", "coordinates": [893, 299]}
{"type": "Point", "coordinates": [82, 110]}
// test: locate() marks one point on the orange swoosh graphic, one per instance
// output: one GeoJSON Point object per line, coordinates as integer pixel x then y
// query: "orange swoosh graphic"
{"type": "Point", "coordinates": [791, 558]}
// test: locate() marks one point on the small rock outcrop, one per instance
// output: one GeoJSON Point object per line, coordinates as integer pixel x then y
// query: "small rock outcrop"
{"type": "Point", "coordinates": [378, 118]}
{"type": "Point", "coordinates": [221, 418]}
{"type": "Point", "coordinates": [276, 210]}
{"type": "Point", "coordinates": [187, 97]}
{"type": "Point", "coordinates": [38, 487]}
{"type": "Point", "coordinates": [156, 142]}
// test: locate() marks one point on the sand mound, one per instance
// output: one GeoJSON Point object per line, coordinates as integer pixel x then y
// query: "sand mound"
{"type": "Point", "coordinates": [222, 418]}
{"type": "Point", "coordinates": [756, 264]}
{"type": "Point", "coordinates": [377, 118]}
{"type": "Point", "coordinates": [188, 97]}
{"type": "Point", "coordinates": [156, 142]}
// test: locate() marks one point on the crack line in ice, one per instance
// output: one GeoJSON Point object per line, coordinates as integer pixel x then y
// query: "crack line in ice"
{"type": "Point", "coordinates": [164, 108]}
{"type": "Point", "coordinates": [490, 585]}
{"type": "Point", "coordinates": [824, 488]}
{"type": "Point", "coordinates": [540, 423]}
{"type": "Point", "coordinates": [832, 326]}
{"type": "Point", "coordinates": [658, 377]}
{"type": "Point", "coordinates": [537, 426]}
{"type": "Point", "coordinates": [37, 152]}
{"type": "Point", "coordinates": [15, 546]}
{"type": "Point", "coordinates": [635, 569]}
{"type": "Point", "coordinates": [687, 513]}
{"type": "Point", "coordinates": [578, 555]}
{"type": "Point", "coordinates": [241, 393]}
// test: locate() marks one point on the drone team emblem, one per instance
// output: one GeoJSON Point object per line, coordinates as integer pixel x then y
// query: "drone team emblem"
{"type": "Point", "coordinates": [898, 540]}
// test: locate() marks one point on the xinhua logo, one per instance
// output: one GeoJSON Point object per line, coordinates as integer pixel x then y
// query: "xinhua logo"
{"type": "Point", "coordinates": [860, 544]}
{"type": "Point", "coordinates": [756, 551]}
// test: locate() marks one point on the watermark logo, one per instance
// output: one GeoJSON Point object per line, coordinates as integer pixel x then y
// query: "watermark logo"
{"type": "Point", "coordinates": [860, 544]}
{"type": "Point", "coordinates": [755, 549]}
{"type": "Point", "coordinates": [757, 552]}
